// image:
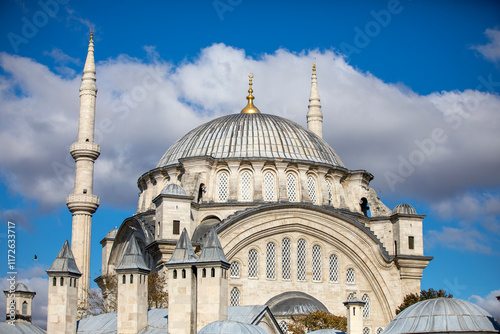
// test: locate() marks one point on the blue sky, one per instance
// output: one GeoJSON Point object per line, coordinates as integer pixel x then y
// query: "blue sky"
{"type": "Point", "coordinates": [390, 74]}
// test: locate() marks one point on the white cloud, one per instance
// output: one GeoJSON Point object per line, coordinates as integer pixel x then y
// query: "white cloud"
{"type": "Point", "coordinates": [144, 106]}
{"type": "Point", "coordinates": [490, 303]}
{"type": "Point", "coordinates": [462, 239]}
{"type": "Point", "coordinates": [490, 51]}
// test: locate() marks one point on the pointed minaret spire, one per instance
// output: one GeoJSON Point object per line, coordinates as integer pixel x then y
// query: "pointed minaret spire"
{"type": "Point", "coordinates": [83, 203]}
{"type": "Point", "coordinates": [314, 114]}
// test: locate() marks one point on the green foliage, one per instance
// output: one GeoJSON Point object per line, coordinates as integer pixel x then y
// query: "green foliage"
{"type": "Point", "coordinates": [316, 320]}
{"type": "Point", "coordinates": [413, 298]}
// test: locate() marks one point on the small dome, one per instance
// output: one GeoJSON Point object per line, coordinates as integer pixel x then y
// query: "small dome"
{"type": "Point", "coordinates": [327, 331]}
{"type": "Point", "coordinates": [173, 189]}
{"type": "Point", "coordinates": [405, 209]}
{"type": "Point", "coordinates": [294, 303]}
{"type": "Point", "coordinates": [442, 315]}
{"type": "Point", "coordinates": [112, 234]}
{"type": "Point", "coordinates": [233, 327]}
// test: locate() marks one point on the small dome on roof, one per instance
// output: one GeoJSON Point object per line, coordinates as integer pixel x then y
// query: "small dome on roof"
{"type": "Point", "coordinates": [327, 331]}
{"type": "Point", "coordinates": [173, 189]}
{"type": "Point", "coordinates": [405, 209]}
{"type": "Point", "coordinates": [294, 303]}
{"type": "Point", "coordinates": [233, 327]}
{"type": "Point", "coordinates": [442, 315]}
{"type": "Point", "coordinates": [112, 234]}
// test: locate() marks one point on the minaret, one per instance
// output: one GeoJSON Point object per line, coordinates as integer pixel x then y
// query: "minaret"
{"type": "Point", "coordinates": [83, 203]}
{"type": "Point", "coordinates": [314, 114]}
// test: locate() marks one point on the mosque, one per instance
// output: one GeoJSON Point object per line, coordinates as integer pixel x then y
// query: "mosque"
{"type": "Point", "coordinates": [254, 219]}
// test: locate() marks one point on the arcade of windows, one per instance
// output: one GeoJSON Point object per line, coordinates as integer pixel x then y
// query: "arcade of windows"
{"type": "Point", "coordinates": [269, 187]}
{"type": "Point", "coordinates": [316, 261]}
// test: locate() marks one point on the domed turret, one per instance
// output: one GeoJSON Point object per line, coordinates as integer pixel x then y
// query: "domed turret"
{"type": "Point", "coordinates": [404, 209]}
{"type": "Point", "coordinates": [173, 189]}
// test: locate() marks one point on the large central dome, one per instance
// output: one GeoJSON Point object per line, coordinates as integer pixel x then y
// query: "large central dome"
{"type": "Point", "coordinates": [251, 136]}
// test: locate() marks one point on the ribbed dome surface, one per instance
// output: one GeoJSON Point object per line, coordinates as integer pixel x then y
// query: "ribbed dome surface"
{"type": "Point", "coordinates": [442, 315]}
{"type": "Point", "coordinates": [251, 136]}
{"type": "Point", "coordinates": [405, 209]}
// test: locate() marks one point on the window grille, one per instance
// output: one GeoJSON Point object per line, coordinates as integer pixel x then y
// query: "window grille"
{"type": "Point", "coordinates": [301, 260]}
{"type": "Point", "coordinates": [316, 262]}
{"type": "Point", "coordinates": [291, 184]}
{"type": "Point", "coordinates": [269, 187]}
{"type": "Point", "coordinates": [271, 260]}
{"type": "Point", "coordinates": [366, 330]}
{"type": "Point", "coordinates": [235, 297]}
{"type": "Point", "coordinates": [330, 192]}
{"type": "Point", "coordinates": [366, 308]}
{"type": "Point", "coordinates": [379, 330]}
{"type": "Point", "coordinates": [351, 296]}
{"type": "Point", "coordinates": [334, 268]}
{"type": "Point", "coordinates": [350, 276]}
{"type": "Point", "coordinates": [311, 187]}
{"type": "Point", "coordinates": [222, 190]}
{"type": "Point", "coordinates": [246, 186]}
{"type": "Point", "coordinates": [284, 326]}
{"type": "Point", "coordinates": [253, 261]}
{"type": "Point", "coordinates": [286, 259]}
{"type": "Point", "coordinates": [25, 308]}
{"type": "Point", "coordinates": [235, 269]}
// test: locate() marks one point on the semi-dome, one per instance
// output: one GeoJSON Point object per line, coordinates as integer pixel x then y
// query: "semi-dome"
{"type": "Point", "coordinates": [405, 209]}
{"type": "Point", "coordinates": [442, 315]}
{"type": "Point", "coordinates": [251, 136]}
{"type": "Point", "coordinates": [173, 189]}
{"type": "Point", "coordinates": [112, 234]}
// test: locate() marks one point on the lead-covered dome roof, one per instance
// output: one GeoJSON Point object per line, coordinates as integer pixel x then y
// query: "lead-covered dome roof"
{"type": "Point", "coordinates": [251, 136]}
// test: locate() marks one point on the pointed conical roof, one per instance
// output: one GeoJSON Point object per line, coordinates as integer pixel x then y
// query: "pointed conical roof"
{"type": "Point", "coordinates": [314, 101]}
{"type": "Point", "coordinates": [183, 252]}
{"type": "Point", "coordinates": [88, 79]}
{"type": "Point", "coordinates": [65, 262]}
{"type": "Point", "coordinates": [212, 250]}
{"type": "Point", "coordinates": [133, 259]}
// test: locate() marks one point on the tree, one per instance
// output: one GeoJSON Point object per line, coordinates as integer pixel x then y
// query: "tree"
{"type": "Point", "coordinates": [157, 294]}
{"type": "Point", "coordinates": [316, 320]}
{"type": "Point", "coordinates": [413, 298]}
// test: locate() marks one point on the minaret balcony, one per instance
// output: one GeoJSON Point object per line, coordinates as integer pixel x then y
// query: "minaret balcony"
{"type": "Point", "coordinates": [82, 202]}
{"type": "Point", "coordinates": [85, 149]}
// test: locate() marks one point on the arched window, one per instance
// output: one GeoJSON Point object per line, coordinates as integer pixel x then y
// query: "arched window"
{"type": "Point", "coordinates": [311, 188]}
{"type": "Point", "coordinates": [212, 272]}
{"type": "Point", "coordinates": [124, 278]}
{"type": "Point", "coordinates": [284, 326]}
{"type": "Point", "coordinates": [379, 330]}
{"type": "Point", "coordinates": [334, 269]}
{"type": "Point", "coordinates": [269, 186]}
{"type": "Point", "coordinates": [316, 263]}
{"type": "Point", "coordinates": [183, 273]}
{"type": "Point", "coordinates": [204, 272]}
{"type": "Point", "coordinates": [131, 278]}
{"type": "Point", "coordinates": [25, 308]}
{"type": "Point", "coordinates": [350, 276]}
{"type": "Point", "coordinates": [246, 187]}
{"type": "Point", "coordinates": [329, 187]}
{"type": "Point", "coordinates": [253, 261]}
{"type": "Point", "coordinates": [270, 260]}
{"type": "Point", "coordinates": [291, 187]}
{"type": "Point", "coordinates": [363, 203]}
{"type": "Point", "coordinates": [366, 308]}
{"type": "Point", "coordinates": [234, 297]}
{"type": "Point", "coordinates": [366, 330]}
{"type": "Point", "coordinates": [54, 280]}
{"type": "Point", "coordinates": [351, 296]}
{"type": "Point", "coordinates": [286, 260]}
{"type": "Point", "coordinates": [62, 281]}
{"type": "Point", "coordinates": [235, 269]}
{"type": "Point", "coordinates": [222, 189]}
{"type": "Point", "coordinates": [301, 260]}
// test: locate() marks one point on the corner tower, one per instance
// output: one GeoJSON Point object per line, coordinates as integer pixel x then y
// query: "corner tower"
{"type": "Point", "coordinates": [83, 203]}
{"type": "Point", "coordinates": [314, 113]}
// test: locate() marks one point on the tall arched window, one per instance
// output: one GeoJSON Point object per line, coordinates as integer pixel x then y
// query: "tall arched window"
{"type": "Point", "coordinates": [270, 260]}
{"type": "Point", "coordinates": [350, 276]}
{"type": "Point", "coordinates": [301, 260]}
{"type": "Point", "coordinates": [25, 308]}
{"type": "Point", "coordinates": [246, 186]}
{"type": "Point", "coordinates": [366, 308]}
{"type": "Point", "coordinates": [286, 259]}
{"type": "Point", "coordinates": [235, 297]}
{"type": "Point", "coordinates": [235, 269]}
{"type": "Point", "coordinates": [311, 188]}
{"type": "Point", "coordinates": [329, 187]}
{"type": "Point", "coordinates": [291, 187]}
{"type": "Point", "coordinates": [316, 263]}
{"type": "Point", "coordinates": [253, 263]}
{"type": "Point", "coordinates": [269, 187]}
{"type": "Point", "coordinates": [222, 187]}
{"type": "Point", "coordinates": [334, 269]}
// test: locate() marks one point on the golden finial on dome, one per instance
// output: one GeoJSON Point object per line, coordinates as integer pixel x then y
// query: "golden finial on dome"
{"type": "Point", "coordinates": [91, 34]}
{"type": "Point", "coordinates": [250, 108]}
